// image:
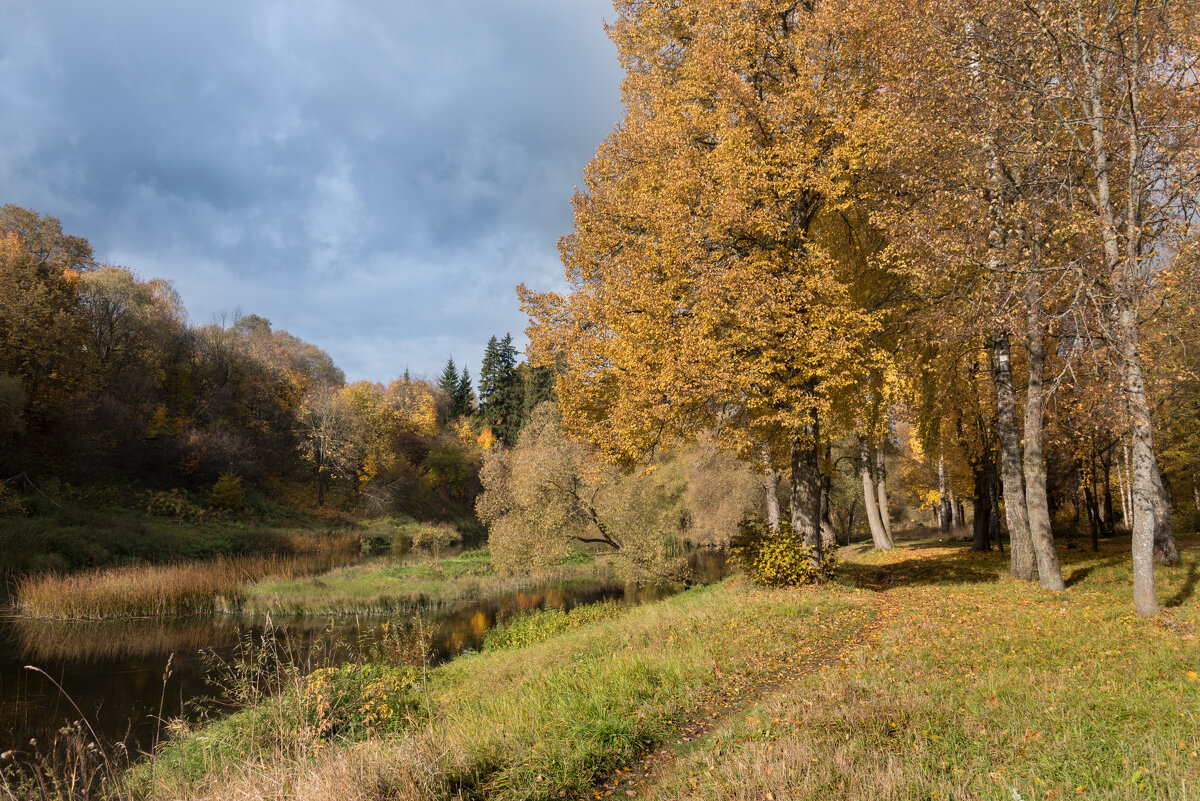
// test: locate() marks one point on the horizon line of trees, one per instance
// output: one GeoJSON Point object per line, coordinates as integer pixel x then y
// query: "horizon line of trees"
{"type": "Point", "coordinates": [103, 380]}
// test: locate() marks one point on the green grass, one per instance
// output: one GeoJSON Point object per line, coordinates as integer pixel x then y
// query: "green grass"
{"type": "Point", "coordinates": [529, 722]}
{"type": "Point", "coordinates": [953, 682]}
{"type": "Point", "coordinates": [981, 686]}
{"type": "Point", "coordinates": [383, 586]}
{"type": "Point", "coordinates": [542, 624]}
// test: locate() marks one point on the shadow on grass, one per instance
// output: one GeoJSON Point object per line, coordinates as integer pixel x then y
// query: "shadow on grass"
{"type": "Point", "coordinates": [1188, 588]}
{"type": "Point", "coordinates": [1078, 576]}
{"type": "Point", "coordinates": [965, 567]}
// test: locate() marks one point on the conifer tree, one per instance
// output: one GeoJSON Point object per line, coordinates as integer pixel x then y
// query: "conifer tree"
{"type": "Point", "coordinates": [464, 395]}
{"type": "Point", "coordinates": [539, 387]}
{"type": "Point", "coordinates": [501, 393]}
{"type": "Point", "coordinates": [448, 383]}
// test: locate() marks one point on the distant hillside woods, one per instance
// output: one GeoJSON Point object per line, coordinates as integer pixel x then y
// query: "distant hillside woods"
{"type": "Point", "coordinates": [104, 382]}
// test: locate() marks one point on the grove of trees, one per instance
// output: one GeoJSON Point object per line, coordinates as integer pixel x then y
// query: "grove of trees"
{"type": "Point", "coordinates": [958, 238]}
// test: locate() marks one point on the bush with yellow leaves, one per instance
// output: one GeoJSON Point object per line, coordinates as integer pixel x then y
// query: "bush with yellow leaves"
{"type": "Point", "coordinates": [779, 558]}
{"type": "Point", "coordinates": [357, 698]}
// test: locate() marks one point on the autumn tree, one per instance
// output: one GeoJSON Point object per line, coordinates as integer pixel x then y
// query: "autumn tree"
{"type": "Point", "coordinates": [704, 288]}
{"type": "Point", "coordinates": [547, 493]}
{"type": "Point", "coordinates": [330, 438]}
{"type": "Point", "coordinates": [39, 329]}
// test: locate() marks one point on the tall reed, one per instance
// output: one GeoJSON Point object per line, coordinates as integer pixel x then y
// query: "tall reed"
{"type": "Point", "coordinates": [155, 590]}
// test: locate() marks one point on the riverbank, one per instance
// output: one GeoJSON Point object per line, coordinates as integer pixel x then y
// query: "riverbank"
{"type": "Point", "coordinates": [518, 722]}
{"type": "Point", "coordinates": [968, 685]}
{"type": "Point", "coordinates": [385, 586]}
{"type": "Point", "coordinates": [332, 579]}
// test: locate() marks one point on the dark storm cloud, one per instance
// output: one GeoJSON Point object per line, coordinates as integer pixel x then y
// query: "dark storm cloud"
{"type": "Point", "coordinates": [373, 176]}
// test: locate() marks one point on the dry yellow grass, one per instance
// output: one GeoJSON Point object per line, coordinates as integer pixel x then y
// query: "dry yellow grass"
{"type": "Point", "coordinates": [155, 590]}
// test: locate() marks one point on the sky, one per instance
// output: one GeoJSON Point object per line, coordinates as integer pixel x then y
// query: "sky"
{"type": "Point", "coordinates": [373, 176]}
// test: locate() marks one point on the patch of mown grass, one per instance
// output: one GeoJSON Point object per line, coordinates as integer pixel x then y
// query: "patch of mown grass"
{"type": "Point", "coordinates": [382, 586]}
{"type": "Point", "coordinates": [981, 687]}
{"type": "Point", "coordinates": [537, 722]}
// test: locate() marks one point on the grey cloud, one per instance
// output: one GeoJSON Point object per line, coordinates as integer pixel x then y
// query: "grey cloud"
{"type": "Point", "coordinates": [372, 176]}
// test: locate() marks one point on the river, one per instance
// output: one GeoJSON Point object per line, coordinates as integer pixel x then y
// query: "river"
{"type": "Point", "coordinates": [126, 676]}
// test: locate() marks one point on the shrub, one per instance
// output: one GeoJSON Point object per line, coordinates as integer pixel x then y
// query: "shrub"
{"type": "Point", "coordinates": [779, 559]}
{"type": "Point", "coordinates": [357, 699]}
{"type": "Point", "coordinates": [435, 537]}
{"type": "Point", "coordinates": [10, 503]}
{"type": "Point", "coordinates": [228, 493]}
{"type": "Point", "coordinates": [173, 503]}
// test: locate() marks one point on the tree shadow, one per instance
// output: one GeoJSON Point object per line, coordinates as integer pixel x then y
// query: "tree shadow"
{"type": "Point", "coordinates": [1188, 588]}
{"type": "Point", "coordinates": [965, 567]}
{"type": "Point", "coordinates": [1078, 576]}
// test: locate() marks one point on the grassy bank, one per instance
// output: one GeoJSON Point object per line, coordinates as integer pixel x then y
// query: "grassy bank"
{"type": "Point", "coordinates": [529, 722]}
{"type": "Point", "coordinates": [383, 586]}
{"type": "Point", "coordinates": [922, 673]}
{"type": "Point", "coordinates": [981, 687]}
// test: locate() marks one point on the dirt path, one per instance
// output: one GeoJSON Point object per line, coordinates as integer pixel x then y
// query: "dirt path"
{"type": "Point", "coordinates": [813, 657]}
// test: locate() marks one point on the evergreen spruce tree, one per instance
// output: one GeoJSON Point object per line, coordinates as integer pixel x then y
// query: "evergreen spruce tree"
{"type": "Point", "coordinates": [447, 405]}
{"type": "Point", "coordinates": [464, 395]}
{"type": "Point", "coordinates": [501, 392]}
{"type": "Point", "coordinates": [539, 387]}
{"type": "Point", "coordinates": [448, 383]}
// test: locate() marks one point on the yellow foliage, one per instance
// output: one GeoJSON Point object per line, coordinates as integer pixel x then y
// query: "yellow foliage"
{"type": "Point", "coordinates": [486, 438]}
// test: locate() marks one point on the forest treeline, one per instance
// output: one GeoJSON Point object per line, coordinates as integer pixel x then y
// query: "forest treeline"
{"type": "Point", "coordinates": [957, 238]}
{"type": "Point", "coordinates": [105, 384]}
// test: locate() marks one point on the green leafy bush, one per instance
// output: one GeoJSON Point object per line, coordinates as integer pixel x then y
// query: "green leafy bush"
{"type": "Point", "coordinates": [780, 558]}
{"type": "Point", "coordinates": [537, 626]}
{"type": "Point", "coordinates": [228, 493]}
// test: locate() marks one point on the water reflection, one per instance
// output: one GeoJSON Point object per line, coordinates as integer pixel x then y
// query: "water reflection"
{"type": "Point", "coordinates": [116, 671]}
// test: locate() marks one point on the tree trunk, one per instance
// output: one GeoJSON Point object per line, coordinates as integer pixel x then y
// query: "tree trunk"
{"type": "Point", "coordinates": [1145, 465]}
{"type": "Point", "coordinates": [1110, 526]}
{"type": "Point", "coordinates": [1166, 551]}
{"type": "Point", "coordinates": [1122, 492]}
{"type": "Point", "coordinates": [882, 495]}
{"type": "Point", "coordinates": [943, 497]}
{"type": "Point", "coordinates": [878, 536]}
{"type": "Point", "coordinates": [982, 508]}
{"type": "Point", "coordinates": [1020, 548]}
{"type": "Point", "coordinates": [850, 518]}
{"type": "Point", "coordinates": [770, 490]}
{"type": "Point", "coordinates": [1037, 505]}
{"type": "Point", "coordinates": [1093, 523]}
{"type": "Point", "coordinates": [828, 537]}
{"type": "Point", "coordinates": [1129, 486]}
{"type": "Point", "coordinates": [806, 488]}
{"type": "Point", "coordinates": [994, 503]}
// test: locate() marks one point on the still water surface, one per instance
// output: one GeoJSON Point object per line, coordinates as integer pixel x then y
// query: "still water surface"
{"type": "Point", "coordinates": [114, 673]}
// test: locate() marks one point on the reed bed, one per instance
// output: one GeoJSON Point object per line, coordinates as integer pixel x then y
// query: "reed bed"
{"type": "Point", "coordinates": [187, 588]}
